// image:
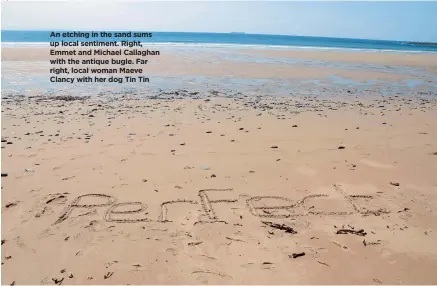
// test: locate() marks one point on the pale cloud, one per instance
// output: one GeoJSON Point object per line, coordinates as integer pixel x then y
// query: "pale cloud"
{"type": "Point", "coordinates": [62, 15]}
{"type": "Point", "coordinates": [98, 15]}
{"type": "Point", "coordinates": [372, 20]}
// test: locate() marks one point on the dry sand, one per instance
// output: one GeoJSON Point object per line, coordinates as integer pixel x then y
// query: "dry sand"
{"type": "Point", "coordinates": [147, 162]}
{"type": "Point", "coordinates": [192, 188]}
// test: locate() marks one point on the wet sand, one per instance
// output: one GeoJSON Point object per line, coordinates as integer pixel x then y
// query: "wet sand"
{"type": "Point", "coordinates": [210, 64]}
{"type": "Point", "coordinates": [188, 187]}
{"type": "Point", "coordinates": [428, 60]}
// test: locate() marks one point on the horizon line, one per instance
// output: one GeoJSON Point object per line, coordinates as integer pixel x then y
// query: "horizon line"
{"type": "Point", "coordinates": [232, 32]}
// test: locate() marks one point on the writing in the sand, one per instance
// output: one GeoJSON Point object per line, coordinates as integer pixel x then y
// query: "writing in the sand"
{"type": "Point", "coordinates": [259, 206]}
{"type": "Point", "coordinates": [101, 57]}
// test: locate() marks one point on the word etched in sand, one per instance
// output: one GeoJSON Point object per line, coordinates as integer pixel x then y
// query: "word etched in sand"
{"type": "Point", "coordinates": [279, 207]}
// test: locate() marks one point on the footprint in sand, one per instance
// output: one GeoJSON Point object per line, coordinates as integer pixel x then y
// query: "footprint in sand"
{"type": "Point", "coordinates": [305, 170]}
{"type": "Point", "coordinates": [375, 164]}
{"type": "Point", "coordinates": [205, 275]}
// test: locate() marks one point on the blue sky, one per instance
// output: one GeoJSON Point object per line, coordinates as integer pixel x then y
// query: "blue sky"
{"type": "Point", "coordinates": [414, 21]}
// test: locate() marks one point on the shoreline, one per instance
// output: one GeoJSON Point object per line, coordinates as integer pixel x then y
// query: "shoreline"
{"type": "Point", "coordinates": [267, 71]}
{"type": "Point", "coordinates": [239, 46]}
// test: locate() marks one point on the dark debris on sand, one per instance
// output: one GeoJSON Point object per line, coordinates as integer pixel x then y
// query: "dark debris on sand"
{"type": "Point", "coordinates": [360, 232]}
{"type": "Point", "coordinates": [296, 255]}
{"type": "Point", "coordinates": [285, 227]}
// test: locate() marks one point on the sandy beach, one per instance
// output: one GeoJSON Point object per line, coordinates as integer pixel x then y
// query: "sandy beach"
{"type": "Point", "coordinates": [210, 64]}
{"type": "Point", "coordinates": [383, 58]}
{"type": "Point", "coordinates": [207, 186]}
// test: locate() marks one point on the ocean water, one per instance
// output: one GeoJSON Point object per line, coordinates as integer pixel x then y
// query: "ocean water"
{"type": "Point", "coordinates": [230, 40]}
